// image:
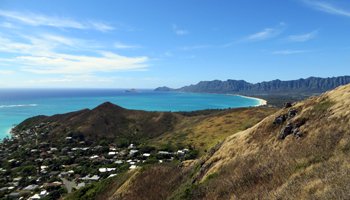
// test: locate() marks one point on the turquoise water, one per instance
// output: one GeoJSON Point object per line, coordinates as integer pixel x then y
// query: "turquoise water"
{"type": "Point", "coordinates": [16, 105]}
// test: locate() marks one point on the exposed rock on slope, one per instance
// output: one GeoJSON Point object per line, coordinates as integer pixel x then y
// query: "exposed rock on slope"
{"type": "Point", "coordinates": [256, 164]}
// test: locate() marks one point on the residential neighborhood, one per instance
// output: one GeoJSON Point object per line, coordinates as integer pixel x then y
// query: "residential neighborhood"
{"type": "Point", "coordinates": [33, 167]}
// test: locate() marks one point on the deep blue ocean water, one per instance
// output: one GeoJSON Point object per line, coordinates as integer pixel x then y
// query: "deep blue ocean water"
{"type": "Point", "coordinates": [18, 104]}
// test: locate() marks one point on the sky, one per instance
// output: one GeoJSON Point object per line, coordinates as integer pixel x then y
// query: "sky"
{"type": "Point", "coordinates": [151, 43]}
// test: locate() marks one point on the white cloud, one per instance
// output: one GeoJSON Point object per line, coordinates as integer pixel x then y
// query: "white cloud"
{"type": "Point", "coordinates": [42, 55]}
{"type": "Point", "coordinates": [327, 7]}
{"type": "Point", "coordinates": [195, 47]}
{"type": "Point", "coordinates": [179, 31]}
{"type": "Point", "coordinates": [6, 72]}
{"type": "Point", "coordinates": [101, 26]}
{"type": "Point", "coordinates": [34, 19]}
{"type": "Point", "coordinates": [80, 64]}
{"type": "Point", "coordinates": [59, 39]}
{"type": "Point", "coordinates": [303, 37]}
{"type": "Point", "coordinates": [289, 52]}
{"type": "Point", "coordinates": [266, 33]}
{"type": "Point", "coordinates": [8, 25]}
{"type": "Point", "coordinates": [71, 79]}
{"type": "Point", "coordinates": [120, 45]}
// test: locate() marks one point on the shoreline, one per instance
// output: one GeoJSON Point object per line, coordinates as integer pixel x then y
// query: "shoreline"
{"type": "Point", "coordinates": [262, 102]}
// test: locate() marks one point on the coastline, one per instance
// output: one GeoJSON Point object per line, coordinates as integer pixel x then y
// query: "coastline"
{"type": "Point", "coordinates": [262, 102]}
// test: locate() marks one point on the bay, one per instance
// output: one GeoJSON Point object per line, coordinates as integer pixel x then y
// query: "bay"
{"type": "Point", "coordinates": [17, 105]}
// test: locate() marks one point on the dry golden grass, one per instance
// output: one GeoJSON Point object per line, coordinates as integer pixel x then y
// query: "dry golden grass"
{"type": "Point", "coordinates": [155, 182]}
{"type": "Point", "coordinates": [204, 132]}
{"type": "Point", "coordinates": [254, 164]}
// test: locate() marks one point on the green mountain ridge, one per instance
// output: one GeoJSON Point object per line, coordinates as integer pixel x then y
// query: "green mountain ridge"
{"type": "Point", "coordinates": [308, 86]}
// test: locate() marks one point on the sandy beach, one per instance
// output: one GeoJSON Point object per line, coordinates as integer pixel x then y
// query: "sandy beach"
{"type": "Point", "coordinates": [262, 102]}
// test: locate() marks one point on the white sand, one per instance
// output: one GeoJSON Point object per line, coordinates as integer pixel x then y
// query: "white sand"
{"type": "Point", "coordinates": [262, 102]}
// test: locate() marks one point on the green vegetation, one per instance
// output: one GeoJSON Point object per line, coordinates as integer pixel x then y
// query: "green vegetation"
{"type": "Point", "coordinates": [322, 106]}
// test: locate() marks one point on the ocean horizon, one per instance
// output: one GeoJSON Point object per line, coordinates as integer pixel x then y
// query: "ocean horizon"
{"type": "Point", "coordinates": [17, 105]}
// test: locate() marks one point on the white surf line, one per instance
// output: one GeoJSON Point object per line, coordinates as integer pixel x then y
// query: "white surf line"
{"type": "Point", "coordinates": [18, 105]}
{"type": "Point", "coordinates": [262, 102]}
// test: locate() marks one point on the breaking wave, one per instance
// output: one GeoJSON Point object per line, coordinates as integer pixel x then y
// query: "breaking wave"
{"type": "Point", "coordinates": [18, 105]}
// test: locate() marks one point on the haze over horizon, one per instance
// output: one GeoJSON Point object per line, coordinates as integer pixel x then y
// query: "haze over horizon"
{"type": "Point", "coordinates": [135, 44]}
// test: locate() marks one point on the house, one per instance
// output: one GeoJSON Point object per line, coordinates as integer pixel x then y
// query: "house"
{"type": "Point", "coordinates": [43, 193]}
{"type": "Point", "coordinates": [94, 157]}
{"type": "Point", "coordinates": [133, 151]}
{"type": "Point", "coordinates": [103, 170]}
{"type": "Point", "coordinates": [92, 178]}
{"type": "Point", "coordinates": [180, 152]}
{"type": "Point", "coordinates": [112, 149]}
{"type": "Point", "coordinates": [118, 162]}
{"type": "Point", "coordinates": [146, 155]}
{"type": "Point", "coordinates": [35, 196]}
{"type": "Point", "coordinates": [34, 150]}
{"type": "Point", "coordinates": [112, 153]}
{"type": "Point", "coordinates": [112, 175]}
{"type": "Point", "coordinates": [53, 149]}
{"type": "Point", "coordinates": [52, 185]}
{"type": "Point", "coordinates": [132, 167]}
{"type": "Point", "coordinates": [17, 179]}
{"type": "Point", "coordinates": [31, 187]}
{"type": "Point", "coordinates": [164, 152]}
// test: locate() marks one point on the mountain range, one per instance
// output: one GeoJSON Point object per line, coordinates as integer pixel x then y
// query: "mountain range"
{"type": "Point", "coordinates": [308, 86]}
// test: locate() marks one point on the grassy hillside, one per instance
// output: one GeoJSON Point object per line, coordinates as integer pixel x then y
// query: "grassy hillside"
{"type": "Point", "coordinates": [301, 152]}
{"type": "Point", "coordinates": [204, 132]}
{"type": "Point", "coordinates": [201, 130]}
{"type": "Point", "coordinates": [258, 164]}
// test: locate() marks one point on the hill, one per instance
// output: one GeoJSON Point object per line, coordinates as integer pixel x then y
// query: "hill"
{"type": "Point", "coordinates": [105, 122]}
{"type": "Point", "coordinates": [305, 156]}
{"type": "Point", "coordinates": [86, 147]}
{"type": "Point", "coordinates": [167, 130]}
{"type": "Point", "coordinates": [299, 152]}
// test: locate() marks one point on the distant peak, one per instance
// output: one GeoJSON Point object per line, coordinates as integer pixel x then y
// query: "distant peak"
{"type": "Point", "coordinates": [108, 105]}
{"type": "Point", "coordinates": [163, 89]}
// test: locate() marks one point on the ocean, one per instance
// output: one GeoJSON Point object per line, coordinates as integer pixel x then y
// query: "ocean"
{"type": "Point", "coordinates": [17, 105]}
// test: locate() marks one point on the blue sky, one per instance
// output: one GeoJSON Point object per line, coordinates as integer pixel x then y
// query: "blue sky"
{"type": "Point", "coordinates": [145, 44]}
